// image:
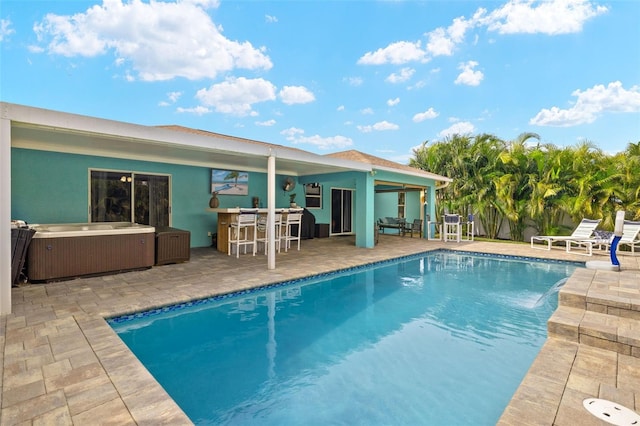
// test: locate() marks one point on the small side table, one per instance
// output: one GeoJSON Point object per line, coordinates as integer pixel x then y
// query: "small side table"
{"type": "Point", "coordinates": [172, 245]}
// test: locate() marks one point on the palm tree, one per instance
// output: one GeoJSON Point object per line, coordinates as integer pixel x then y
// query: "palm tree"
{"type": "Point", "coordinates": [233, 175]}
{"type": "Point", "coordinates": [513, 188]}
{"type": "Point", "coordinates": [540, 185]}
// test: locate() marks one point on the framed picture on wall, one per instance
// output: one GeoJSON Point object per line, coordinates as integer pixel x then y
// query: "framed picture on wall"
{"type": "Point", "coordinates": [229, 182]}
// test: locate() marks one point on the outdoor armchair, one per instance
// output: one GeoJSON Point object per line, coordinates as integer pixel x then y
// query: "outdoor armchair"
{"type": "Point", "coordinates": [415, 226]}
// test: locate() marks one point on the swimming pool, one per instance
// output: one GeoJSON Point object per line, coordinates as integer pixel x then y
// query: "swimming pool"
{"type": "Point", "coordinates": [442, 338]}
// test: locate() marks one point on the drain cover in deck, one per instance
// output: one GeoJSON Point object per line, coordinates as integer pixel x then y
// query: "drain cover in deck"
{"type": "Point", "coordinates": [611, 412]}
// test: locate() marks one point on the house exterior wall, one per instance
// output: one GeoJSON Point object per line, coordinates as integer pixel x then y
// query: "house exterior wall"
{"type": "Point", "coordinates": [386, 204]}
{"type": "Point", "coordinates": [52, 187]}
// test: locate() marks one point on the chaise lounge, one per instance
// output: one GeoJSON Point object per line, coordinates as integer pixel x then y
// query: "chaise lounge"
{"type": "Point", "coordinates": [582, 232]}
{"type": "Point", "coordinates": [630, 237]}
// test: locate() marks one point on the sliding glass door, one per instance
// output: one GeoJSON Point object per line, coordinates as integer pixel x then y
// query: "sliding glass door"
{"type": "Point", "coordinates": [341, 211]}
{"type": "Point", "coordinates": [129, 197]}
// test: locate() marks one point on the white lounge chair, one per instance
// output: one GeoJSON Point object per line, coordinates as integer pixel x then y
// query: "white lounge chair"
{"type": "Point", "coordinates": [630, 237]}
{"type": "Point", "coordinates": [600, 239]}
{"type": "Point", "coordinates": [583, 232]}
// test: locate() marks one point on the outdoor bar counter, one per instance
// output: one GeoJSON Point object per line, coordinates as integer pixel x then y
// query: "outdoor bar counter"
{"type": "Point", "coordinates": [228, 215]}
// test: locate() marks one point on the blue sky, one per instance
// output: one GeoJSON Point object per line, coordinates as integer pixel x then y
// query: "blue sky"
{"type": "Point", "coordinates": [324, 76]}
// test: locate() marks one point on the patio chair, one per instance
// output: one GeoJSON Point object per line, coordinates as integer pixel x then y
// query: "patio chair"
{"type": "Point", "coordinates": [600, 239]}
{"type": "Point", "coordinates": [583, 232]}
{"type": "Point", "coordinates": [242, 232]}
{"type": "Point", "coordinates": [415, 226]}
{"type": "Point", "coordinates": [630, 237]}
{"type": "Point", "coordinates": [263, 236]}
{"type": "Point", "coordinates": [292, 228]}
{"type": "Point", "coordinates": [452, 228]}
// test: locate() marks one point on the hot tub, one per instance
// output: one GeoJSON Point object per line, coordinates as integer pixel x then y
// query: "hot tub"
{"type": "Point", "coordinates": [69, 250]}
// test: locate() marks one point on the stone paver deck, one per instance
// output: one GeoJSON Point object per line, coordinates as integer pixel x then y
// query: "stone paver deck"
{"type": "Point", "coordinates": [62, 364]}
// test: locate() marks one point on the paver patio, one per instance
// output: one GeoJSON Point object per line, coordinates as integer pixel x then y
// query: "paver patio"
{"type": "Point", "coordinates": [62, 363]}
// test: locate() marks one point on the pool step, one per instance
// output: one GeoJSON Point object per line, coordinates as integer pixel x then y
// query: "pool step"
{"type": "Point", "coordinates": [606, 317]}
{"type": "Point", "coordinates": [604, 331]}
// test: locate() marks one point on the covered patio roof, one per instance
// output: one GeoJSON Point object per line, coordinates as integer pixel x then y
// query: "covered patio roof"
{"type": "Point", "coordinates": [40, 129]}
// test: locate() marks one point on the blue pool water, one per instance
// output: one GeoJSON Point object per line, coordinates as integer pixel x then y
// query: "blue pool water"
{"type": "Point", "coordinates": [439, 339]}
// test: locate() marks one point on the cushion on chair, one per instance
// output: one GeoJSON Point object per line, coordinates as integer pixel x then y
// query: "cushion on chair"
{"type": "Point", "coordinates": [603, 236]}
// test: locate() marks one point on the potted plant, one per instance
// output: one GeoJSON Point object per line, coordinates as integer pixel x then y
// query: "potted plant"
{"type": "Point", "coordinates": [292, 199]}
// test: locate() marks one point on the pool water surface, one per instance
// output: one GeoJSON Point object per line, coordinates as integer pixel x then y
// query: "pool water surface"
{"type": "Point", "coordinates": [442, 338]}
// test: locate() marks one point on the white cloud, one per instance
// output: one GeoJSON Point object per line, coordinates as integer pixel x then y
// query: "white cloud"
{"type": "Point", "coordinates": [354, 81]}
{"type": "Point", "coordinates": [173, 98]}
{"type": "Point", "coordinates": [427, 115]}
{"type": "Point", "coordinates": [404, 75]}
{"type": "Point", "coordinates": [459, 128]}
{"type": "Point", "coordinates": [419, 85]}
{"type": "Point", "coordinates": [270, 19]}
{"type": "Point", "coordinates": [385, 125]}
{"type": "Point", "coordinates": [547, 17]}
{"type": "Point", "coordinates": [296, 95]}
{"type": "Point", "coordinates": [443, 41]}
{"type": "Point", "coordinates": [468, 76]}
{"type": "Point", "coordinates": [199, 110]}
{"type": "Point", "coordinates": [591, 104]}
{"type": "Point", "coordinates": [516, 16]}
{"type": "Point", "coordinates": [439, 43]}
{"type": "Point", "coordinates": [379, 127]}
{"type": "Point", "coordinates": [396, 53]}
{"type": "Point", "coordinates": [340, 108]}
{"type": "Point", "coordinates": [267, 123]}
{"type": "Point", "coordinates": [237, 95]}
{"type": "Point", "coordinates": [292, 133]}
{"type": "Point", "coordinates": [161, 40]}
{"type": "Point", "coordinates": [296, 137]}
{"type": "Point", "coordinates": [366, 111]}
{"type": "Point", "coordinates": [393, 102]}
{"type": "Point", "coordinates": [5, 31]}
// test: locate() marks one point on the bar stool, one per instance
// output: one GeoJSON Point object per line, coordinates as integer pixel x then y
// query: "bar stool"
{"type": "Point", "coordinates": [243, 231]}
{"type": "Point", "coordinates": [292, 232]}
{"type": "Point", "coordinates": [468, 235]}
{"type": "Point", "coordinates": [264, 232]}
{"type": "Point", "coordinates": [451, 227]}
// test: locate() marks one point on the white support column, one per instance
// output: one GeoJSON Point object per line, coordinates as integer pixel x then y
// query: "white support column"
{"type": "Point", "coordinates": [271, 211]}
{"type": "Point", "coordinates": [5, 215]}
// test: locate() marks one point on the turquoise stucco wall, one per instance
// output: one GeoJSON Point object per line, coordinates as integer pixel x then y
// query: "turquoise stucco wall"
{"type": "Point", "coordinates": [386, 204]}
{"type": "Point", "coordinates": [51, 187]}
{"type": "Point", "coordinates": [342, 180]}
